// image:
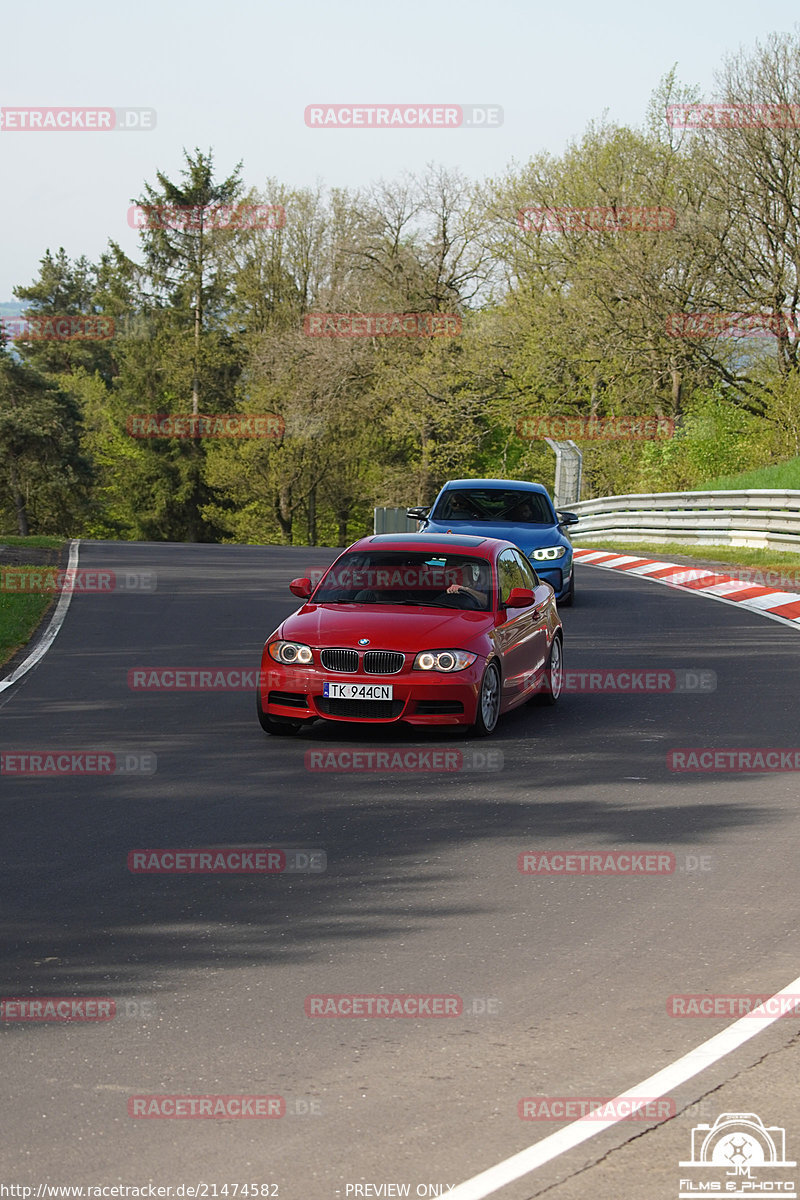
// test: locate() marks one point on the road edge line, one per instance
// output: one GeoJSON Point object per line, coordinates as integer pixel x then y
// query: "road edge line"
{"type": "Point", "coordinates": [53, 628]}
{"type": "Point", "coordinates": [669, 1077]}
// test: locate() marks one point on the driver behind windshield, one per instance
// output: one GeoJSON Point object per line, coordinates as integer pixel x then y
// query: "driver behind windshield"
{"type": "Point", "coordinates": [478, 575]}
{"type": "Point", "coordinates": [523, 512]}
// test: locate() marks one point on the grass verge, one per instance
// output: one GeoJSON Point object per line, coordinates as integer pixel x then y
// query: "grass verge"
{"type": "Point", "coordinates": [37, 541]}
{"type": "Point", "coordinates": [20, 615]}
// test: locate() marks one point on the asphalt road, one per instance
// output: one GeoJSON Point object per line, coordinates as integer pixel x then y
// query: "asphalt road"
{"type": "Point", "coordinates": [564, 980]}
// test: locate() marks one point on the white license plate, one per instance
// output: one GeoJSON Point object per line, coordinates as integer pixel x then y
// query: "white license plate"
{"type": "Point", "coordinates": [357, 691]}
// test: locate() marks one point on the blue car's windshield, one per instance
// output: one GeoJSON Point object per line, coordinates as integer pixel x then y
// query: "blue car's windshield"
{"type": "Point", "coordinates": [493, 505]}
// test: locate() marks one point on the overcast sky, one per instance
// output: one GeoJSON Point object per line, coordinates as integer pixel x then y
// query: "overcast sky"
{"type": "Point", "coordinates": [237, 77]}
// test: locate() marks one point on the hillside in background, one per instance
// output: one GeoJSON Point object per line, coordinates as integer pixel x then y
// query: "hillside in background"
{"type": "Point", "coordinates": [785, 475]}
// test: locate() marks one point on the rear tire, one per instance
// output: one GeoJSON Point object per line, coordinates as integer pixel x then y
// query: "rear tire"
{"type": "Point", "coordinates": [277, 726]}
{"type": "Point", "coordinates": [488, 710]}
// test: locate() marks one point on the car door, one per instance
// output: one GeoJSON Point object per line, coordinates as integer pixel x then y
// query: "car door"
{"type": "Point", "coordinates": [515, 638]}
{"type": "Point", "coordinates": [536, 641]}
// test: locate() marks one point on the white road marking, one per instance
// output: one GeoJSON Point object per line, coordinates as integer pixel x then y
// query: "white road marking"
{"type": "Point", "coordinates": [619, 559]}
{"type": "Point", "coordinates": [52, 629]}
{"type": "Point", "coordinates": [773, 600]}
{"type": "Point", "coordinates": [694, 577]}
{"type": "Point", "coordinates": [592, 554]}
{"type": "Point", "coordinates": [647, 569]}
{"type": "Point", "coordinates": [666, 1080]}
{"type": "Point", "coordinates": [729, 589]}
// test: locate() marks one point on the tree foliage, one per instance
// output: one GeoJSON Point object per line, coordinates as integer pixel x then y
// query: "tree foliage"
{"type": "Point", "coordinates": [555, 319]}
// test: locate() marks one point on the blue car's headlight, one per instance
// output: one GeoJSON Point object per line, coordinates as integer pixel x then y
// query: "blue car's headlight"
{"type": "Point", "coordinates": [547, 553]}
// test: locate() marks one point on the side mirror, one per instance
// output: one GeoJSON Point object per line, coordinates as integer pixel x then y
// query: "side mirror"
{"type": "Point", "coordinates": [301, 588]}
{"type": "Point", "coordinates": [567, 518]}
{"type": "Point", "coordinates": [520, 598]}
{"type": "Point", "coordinates": [417, 514]}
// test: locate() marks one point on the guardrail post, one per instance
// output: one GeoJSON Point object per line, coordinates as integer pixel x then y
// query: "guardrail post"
{"type": "Point", "coordinates": [569, 469]}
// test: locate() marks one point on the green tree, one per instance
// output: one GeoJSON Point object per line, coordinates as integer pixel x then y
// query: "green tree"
{"type": "Point", "coordinates": [44, 478]}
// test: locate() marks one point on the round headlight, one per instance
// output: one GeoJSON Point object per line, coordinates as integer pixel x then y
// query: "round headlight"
{"type": "Point", "coordinates": [291, 652]}
{"type": "Point", "coordinates": [444, 660]}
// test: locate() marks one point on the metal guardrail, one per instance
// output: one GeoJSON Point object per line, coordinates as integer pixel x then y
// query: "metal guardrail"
{"type": "Point", "coordinates": [762, 518]}
{"type": "Point", "coordinates": [392, 520]}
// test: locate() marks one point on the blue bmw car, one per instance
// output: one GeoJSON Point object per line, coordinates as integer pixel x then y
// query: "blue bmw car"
{"type": "Point", "coordinates": [516, 511]}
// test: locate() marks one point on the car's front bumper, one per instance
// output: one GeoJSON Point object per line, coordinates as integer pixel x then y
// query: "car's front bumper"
{"type": "Point", "coordinates": [559, 577]}
{"type": "Point", "coordinates": [418, 697]}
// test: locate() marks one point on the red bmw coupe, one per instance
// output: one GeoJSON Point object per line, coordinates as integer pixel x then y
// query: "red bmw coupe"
{"type": "Point", "coordinates": [430, 629]}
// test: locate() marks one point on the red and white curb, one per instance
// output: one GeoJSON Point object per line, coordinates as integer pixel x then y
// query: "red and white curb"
{"type": "Point", "coordinates": [766, 601]}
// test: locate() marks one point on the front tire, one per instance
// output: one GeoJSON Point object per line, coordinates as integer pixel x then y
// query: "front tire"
{"type": "Point", "coordinates": [488, 711]}
{"type": "Point", "coordinates": [277, 726]}
{"type": "Point", "coordinates": [569, 599]}
{"type": "Point", "coordinates": [553, 681]}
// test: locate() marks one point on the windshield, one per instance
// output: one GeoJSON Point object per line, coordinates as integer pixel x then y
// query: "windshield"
{"type": "Point", "coordinates": [493, 505]}
{"type": "Point", "coordinates": [412, 578]}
